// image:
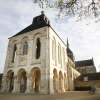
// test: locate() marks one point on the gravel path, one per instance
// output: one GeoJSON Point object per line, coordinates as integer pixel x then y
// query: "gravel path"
{"type": "Point", "coordinates": [66, 96]}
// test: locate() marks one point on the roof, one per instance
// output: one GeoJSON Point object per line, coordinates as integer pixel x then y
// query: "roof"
{"type": "Point", "coordinates": [91, 76]}
{"type": "Point", "coordinates": [83, 63]}
{"type": "Point", "coordinates": [70, 54]}
{"type": "Point", "coordinates": [38, 22]}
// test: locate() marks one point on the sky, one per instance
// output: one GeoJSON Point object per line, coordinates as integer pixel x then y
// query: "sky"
{"type": "Point", "coordinates": [83, 35]}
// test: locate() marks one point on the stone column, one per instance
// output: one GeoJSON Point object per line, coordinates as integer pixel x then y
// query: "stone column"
{"type": "Point", "coordinates": [29, 84]}
{"type": "Point", "coordinates": [51, 88]}
{"type": "Point", "coordinates": [63, 90]}
{"type": "Point", "coordinates": [44, 83]}
{"type": "Point", "coordinates": [54, 84]}
{"type": "Point", "coordinates": [57, 85]}
{"type": "Point", "coordinates": [16, 85]}
{"type": "Point", "coordinates": [4, 84]}
{"type": "Point", "coordinates": [60, 86]}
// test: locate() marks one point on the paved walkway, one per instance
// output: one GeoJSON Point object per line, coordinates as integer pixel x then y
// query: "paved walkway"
{"type": "Point", "coordinates": [65, 96]}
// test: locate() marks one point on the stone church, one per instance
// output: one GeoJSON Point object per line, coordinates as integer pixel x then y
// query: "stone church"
{"type": "Point", "coordinates": [38, 61]}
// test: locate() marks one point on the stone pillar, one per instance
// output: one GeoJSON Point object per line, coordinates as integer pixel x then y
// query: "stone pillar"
{"type": "Point", "coordinates": [63, 90]}
{"type": "Point", "coordinates": [4, 84]}
{"type": "Point", "coordinates": [60, 86]}
{"type": "Point", "coordinates": [57, 85]}
{"type": "Point", "coordinates": [44, 83]}
{"type": "Point", "coordinates": [29, 84]}
{"type": "Point", "coordinates": [51, 88]}
{"type": "Point", "coordinates": [16, 85]}
{"type": "Point", "coordinates": [54, 84]}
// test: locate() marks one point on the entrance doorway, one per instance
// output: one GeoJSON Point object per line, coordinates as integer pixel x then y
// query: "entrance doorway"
{"type": "Point", "coordinates": [10, 82]}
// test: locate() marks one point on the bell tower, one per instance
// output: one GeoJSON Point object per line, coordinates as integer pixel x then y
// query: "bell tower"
{"type": "Point", "coordinates": [40, 20]}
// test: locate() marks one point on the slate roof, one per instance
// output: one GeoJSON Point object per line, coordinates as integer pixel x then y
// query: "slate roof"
{"type": "Point", "coordinates": [38, 22]}
{"type": "Point", "coordinates": [69, 51]}
{"type": "Point", "coordinates": [70, 54]}
{"type": "Point", "coordinates": [83, 63]}
{"type": "Point", "coordinates": [91, 76]}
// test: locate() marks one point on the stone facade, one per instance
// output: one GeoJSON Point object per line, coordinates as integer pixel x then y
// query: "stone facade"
{"type": "Point", "coordinates": [71, 71]}
{"type": "Point", "coordinates": [37, 60]}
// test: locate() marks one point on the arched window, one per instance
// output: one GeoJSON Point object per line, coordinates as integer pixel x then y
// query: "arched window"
{"type": "Point", "coordinates": [63, 51]}
{"type": "Point", "coordinates": [14, 53]}
{"type": "Point", "coordinates": [59, 54]}
{"type": "Point", "coordinates": [38, 48]}
{"type": "Point", "coordinates": [54, 49]}
{"type": "Point", "coordinates": [25, 48]}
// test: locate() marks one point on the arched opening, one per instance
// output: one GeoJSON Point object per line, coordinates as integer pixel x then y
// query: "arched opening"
{"type": "Point", "coordinates": [10, 80]}
{"type": "Point", "coordinates": [55, 81]}
{"type": "Point", "coordinates": [25, 48]}
{"type": "Point", "coordinates": [60, 82]}
{"type": "Point", "coordinates": [38, 48]}
{"type": "Point", "coordinates": [59, 53]}
{"type": "Point", "coordinates": [22, 80]}
{"type": "Point", "coordinates": [36, 77]}
{"type": "Point", "coordinates": [54, 49]}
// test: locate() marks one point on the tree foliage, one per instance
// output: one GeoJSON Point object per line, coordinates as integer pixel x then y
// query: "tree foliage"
{"type": "Point", "coordinates": [72, 7]}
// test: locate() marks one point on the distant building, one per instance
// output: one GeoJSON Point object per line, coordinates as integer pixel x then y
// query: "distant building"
{"type": "Point", "coordinates": [86, 81]}
{"type": "Point", "coordinates": [85, 66]}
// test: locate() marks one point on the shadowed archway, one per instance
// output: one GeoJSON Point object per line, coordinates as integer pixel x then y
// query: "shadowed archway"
{"type": "Point", "coordinates": [10, 80]}
{"type": "Point", "coordinates": [60, 82]}
{"type": "Point", "coordinates": [55, 81]}
{"type": "Point", "coordinates": [36, 77]}
{"type": "Point", "coordinates": [22, 80]}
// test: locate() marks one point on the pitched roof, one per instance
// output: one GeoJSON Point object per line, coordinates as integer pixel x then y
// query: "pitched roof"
{"type": "Point", "coordinates": [83, 63]}
{"type": "Point", "coordinates": [70, 54]}
{"type": "Point", "coordinates": [38, 22]}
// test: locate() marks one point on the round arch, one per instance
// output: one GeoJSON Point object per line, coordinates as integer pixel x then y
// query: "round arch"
{"type": "Point", "coordinates": [60, 82]}
{"type": "Point", "coordinates": [10, 80]}
{"type": "Point", "coordinates": [36, 77]}
{"type": "Point", "coordinates": [37, 46]}
{"type": "Point", "coordinates": [60, 75]}
{"type": "Point", "coordinates": [22, 77]}
{"type": "Point", "coordinates": [55, 80]}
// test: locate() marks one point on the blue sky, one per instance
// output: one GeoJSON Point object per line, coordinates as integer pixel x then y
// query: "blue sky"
{"type": "Point", "coordinates": [84, 35]}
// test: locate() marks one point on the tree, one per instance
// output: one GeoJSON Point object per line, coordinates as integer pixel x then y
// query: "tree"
{"type": "Point", "coordinates": [73, 7]}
